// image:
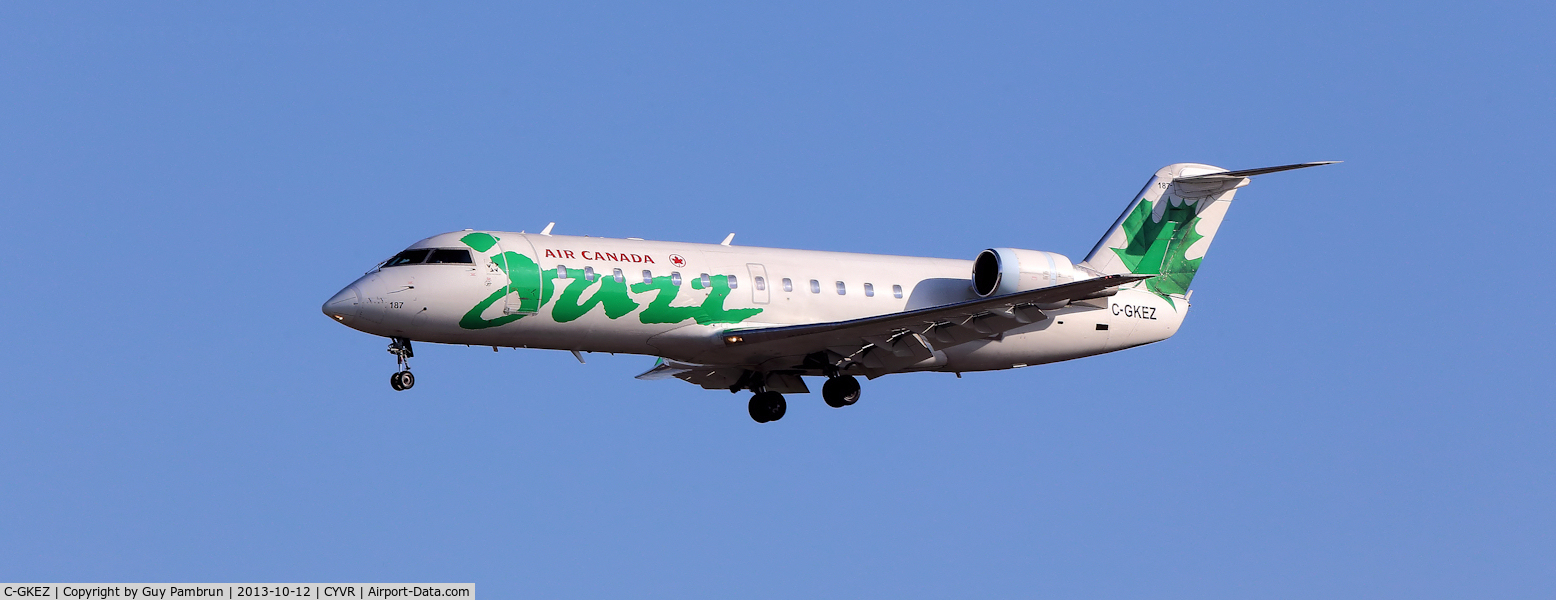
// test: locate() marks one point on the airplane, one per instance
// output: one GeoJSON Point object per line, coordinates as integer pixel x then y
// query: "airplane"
{"type": "Point", "coordinates": [728, 317]}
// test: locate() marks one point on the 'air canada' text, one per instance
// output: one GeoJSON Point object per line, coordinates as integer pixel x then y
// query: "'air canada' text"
{"type": "Point", "coordinates": [592, 255]}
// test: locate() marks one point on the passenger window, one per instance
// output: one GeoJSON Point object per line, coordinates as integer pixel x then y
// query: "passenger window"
{"type": "Point", "coordinates": [675, 278]}
{"type": "Point", "coordinates": [561, 272]}
{"type": "Point", "coordinates": [841, 290]}
{"type": "Point", "coordinates": [869, 290]}
{"type": "Point", "coordinates": [788, 284]}
{"type": "Point", "coordinates": [761, 284]}
{"type": "Point", "coordinates": [588, 273]}
{"type": "Point", "coordinates": [445, 256]}
{"type": "Point", "coordinates": [618, 276]}
{"type": "Point", "coordinates": [815, 287]}
{"type": "Point", "coordinates": [648, 276]}
{"type": "Point", "coordinates": [896, 291]}
{"type": "Point", "coordinates": [408, 257]}
{"type": "Point", "coordinates": [732, 283]}
{"type": "Point", "coordinates": [707, 282]}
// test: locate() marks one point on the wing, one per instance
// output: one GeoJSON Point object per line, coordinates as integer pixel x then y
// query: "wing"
{"type": "Point", "coordinates": [879, 344]}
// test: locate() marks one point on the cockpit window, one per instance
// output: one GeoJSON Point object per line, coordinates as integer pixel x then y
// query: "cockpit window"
{"type": "Point", "coordinates": [450, 256]}
{"type": "Point", "coordinates": [408, 257]}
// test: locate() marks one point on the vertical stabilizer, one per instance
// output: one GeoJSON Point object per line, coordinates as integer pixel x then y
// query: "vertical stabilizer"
{"type": "Point", "coordinates": [1168, 227]}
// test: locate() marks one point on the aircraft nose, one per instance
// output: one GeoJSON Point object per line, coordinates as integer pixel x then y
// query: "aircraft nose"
{"type": "Point", "coordinates": [343, 306]}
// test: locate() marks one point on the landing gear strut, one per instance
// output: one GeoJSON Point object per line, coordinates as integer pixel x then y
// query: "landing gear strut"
{"type": "Point", "coordinates": [840, 391]}
{"type": "Point", "coordinates": [767, 406]}
{"type": "Point", "coordinates": [401, 349]}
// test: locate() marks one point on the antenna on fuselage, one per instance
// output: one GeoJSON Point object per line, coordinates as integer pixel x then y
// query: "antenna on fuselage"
{"type": "Point", "coordinates": [547, 230]}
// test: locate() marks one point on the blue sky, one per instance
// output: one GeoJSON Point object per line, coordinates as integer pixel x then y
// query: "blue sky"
{"type": "Point", "coordinates": [1357, 407]}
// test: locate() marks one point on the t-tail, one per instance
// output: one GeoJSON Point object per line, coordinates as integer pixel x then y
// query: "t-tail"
{"type": "Point", "coordinates": [1168, 227]}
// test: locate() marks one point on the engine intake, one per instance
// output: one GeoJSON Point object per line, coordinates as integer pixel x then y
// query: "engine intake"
{"type": "Point", "coordinates": [1000, 271]}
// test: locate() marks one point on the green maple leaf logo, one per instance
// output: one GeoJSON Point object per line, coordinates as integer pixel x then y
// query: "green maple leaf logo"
{"type": "Point", "coordinates": [1158, 247]}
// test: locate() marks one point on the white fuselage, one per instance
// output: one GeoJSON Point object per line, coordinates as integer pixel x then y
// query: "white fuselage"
{"type": "Point", "coordinates": [472, 303]}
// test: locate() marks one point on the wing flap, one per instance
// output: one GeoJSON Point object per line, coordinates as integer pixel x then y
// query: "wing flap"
{"type": "Point", "coordinates": [711, 377]}
{"type": "Point", "coordinates": [721, 377]}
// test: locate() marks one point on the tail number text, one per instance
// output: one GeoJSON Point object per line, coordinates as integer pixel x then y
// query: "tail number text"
{"type": "Point", "coordinates": [1138, 312]}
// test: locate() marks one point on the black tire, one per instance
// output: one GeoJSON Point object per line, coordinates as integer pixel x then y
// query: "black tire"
{"type": "Point", "coordinates": [394, 382]}
{"type": "Point", "coordinates": [758, 408]}
{"type": "Point", "coordinates": [776, 406]}
{"type": "Point", "coordinates": [840, 391]}
{"type": "Point", "coordinates": [852, 395]}
{"type": "Point", "coordinates": [407, 380]}
{"type": "Point", "coordinates": [766, 407]}
{"type": "Point", "coordinates": [832, 393]}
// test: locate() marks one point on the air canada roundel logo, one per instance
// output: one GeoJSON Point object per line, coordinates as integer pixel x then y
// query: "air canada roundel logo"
{"type": "Point", "coordinates": [677, 260]}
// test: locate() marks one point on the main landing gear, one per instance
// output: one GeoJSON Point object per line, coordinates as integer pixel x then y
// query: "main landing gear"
{"type": "Point", "coordinates": [767, 406]}
{"type": "Point", "coordinates": [840, 391]}
{"type": "Point", "coordinates": [401, 349]}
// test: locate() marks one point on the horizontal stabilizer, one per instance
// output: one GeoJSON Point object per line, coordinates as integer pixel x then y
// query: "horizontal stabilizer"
{"type": "Point", "coordinates": [1226, 175]}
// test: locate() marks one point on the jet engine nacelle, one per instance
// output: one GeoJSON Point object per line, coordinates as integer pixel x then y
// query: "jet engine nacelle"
{"type": "Point", "coordinates": [1000, 271]}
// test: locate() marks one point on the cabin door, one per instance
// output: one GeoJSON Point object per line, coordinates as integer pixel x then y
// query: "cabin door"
{"type": "Point", "coordinates": [516, 258]}
{"type": "Point", "coordinates": [761, 291]}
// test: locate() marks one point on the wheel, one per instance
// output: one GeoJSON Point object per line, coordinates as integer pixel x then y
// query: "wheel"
{"type": "Point", "coordinates": [758, 409]}
{"type": "Point", "coordinates": [767, 406]}
{"type": "Point", "coordinates": [406, 379]}
{"type": "Point", "coordinates": [394, 382]}
{"type": "Point", "coordinates": [831, 397]}
{"type": "Point", "coordinates": [776, 406]}
{"type": "Point", "coordinates": [840, 391]}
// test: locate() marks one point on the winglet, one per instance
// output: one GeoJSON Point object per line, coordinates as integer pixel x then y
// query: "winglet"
{"type": "Point", "coordinates": [1226, 175]}
{"type": "Point", "coordinates": [547, 230]}
{"type": "Point", "coordinates": [727, 240]}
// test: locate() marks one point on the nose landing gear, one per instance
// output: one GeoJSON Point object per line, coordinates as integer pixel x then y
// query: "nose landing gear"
{"type": "Point", "coordinates": [401, 349]}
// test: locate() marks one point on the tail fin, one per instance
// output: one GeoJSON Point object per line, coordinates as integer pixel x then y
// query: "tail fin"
{"type": "Point", "coordinates": [1168, 227]}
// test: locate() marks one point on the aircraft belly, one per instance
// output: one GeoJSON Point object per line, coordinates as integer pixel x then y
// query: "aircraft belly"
{"type": "Point", "coordinates": [1066, 334]}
